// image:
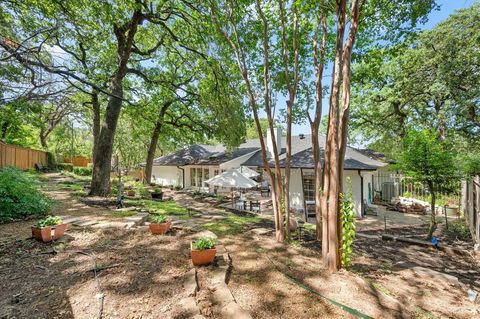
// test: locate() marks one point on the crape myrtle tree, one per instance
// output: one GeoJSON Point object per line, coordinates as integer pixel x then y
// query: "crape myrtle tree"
{"type": "Point", "coordinates": [263, 39]}
{"type": "Point", "coordinates": [428, 159]}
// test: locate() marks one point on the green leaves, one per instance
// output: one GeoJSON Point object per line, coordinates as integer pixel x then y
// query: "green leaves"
{"type": "Point", "coordinates": [49, 221]}
{"type": "Point", "coordinates": [347, 215]}
{"type": "Point", "coordinates": [204, 243]}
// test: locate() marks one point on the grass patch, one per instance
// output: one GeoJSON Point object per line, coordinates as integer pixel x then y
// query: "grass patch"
{"type": "Point", "coordinates": [232, 224]}
{"type": "Point", "coordinates": [78, 177]}
{"type": "Point", "coordinates": [168, 207]}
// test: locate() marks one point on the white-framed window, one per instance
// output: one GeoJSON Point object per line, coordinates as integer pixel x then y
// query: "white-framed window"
{"type": "Point", "coordinates": [308, 186]}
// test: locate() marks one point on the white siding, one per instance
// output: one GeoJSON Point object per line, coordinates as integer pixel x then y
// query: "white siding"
{"type": "Point", "coordinates": [167, 175]}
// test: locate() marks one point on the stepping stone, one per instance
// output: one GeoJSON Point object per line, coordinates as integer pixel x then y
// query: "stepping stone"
{"type": "Point", "coordinates": [190, 282]}
{"type": "Point", "coordinates": [222, 295]}
{"type": "Point", "coordinates": [233, 311]}
{"type": "Point", "coordinates": [126, 209]}
{"type": "Point", "coordinates": [69, 219]}
{"type": "Point", "coordinates": [218, 217]}
{"type": "Point", "coordinates": [84, 223]}
{"type": "Point", "coordinates": [261, 231]}
{"type": "Point", "coordinates": [189, 307]}
{"type": "Point", "coordinates": [436, 274]}
{"type": "Point", "coordinates": [205, 233]}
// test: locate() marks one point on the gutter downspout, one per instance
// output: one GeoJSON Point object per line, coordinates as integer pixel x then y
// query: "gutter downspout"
{"type": "Point", "coordinates": [183, 175]}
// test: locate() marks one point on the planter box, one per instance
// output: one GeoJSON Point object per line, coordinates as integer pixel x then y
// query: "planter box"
{"type": "Point", "coordinates": [203, 256]}
{"type": "Point", "coordinates": [452, 210]}
{"type": "Point", "coordinates": [160, 228]}
{"type": "Point", "coordinates": [130, 193]}
{"type": "Point", "coordinates": [49, 233]}
{"type": "Point", "coordinates": [157, 196]}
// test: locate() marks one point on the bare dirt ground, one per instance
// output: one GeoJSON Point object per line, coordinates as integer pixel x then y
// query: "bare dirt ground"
{"type": "Point", "coordinates": [140, 275]}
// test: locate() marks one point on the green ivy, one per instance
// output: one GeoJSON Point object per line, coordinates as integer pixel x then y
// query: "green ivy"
{"type": "Point", "coordinates": [20, 195]}
{"type": "Point", "coordinates": [348, 227]}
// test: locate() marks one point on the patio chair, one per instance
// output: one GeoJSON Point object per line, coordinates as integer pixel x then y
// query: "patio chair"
{"type": "Point", "coordinates": [265, 189]}
{"type": "Point", "coordinates": [255, 206]}
{"type": "Point", "coordinates": [309, 210]}
{"type": "Point", "coordinates": [368, 210]}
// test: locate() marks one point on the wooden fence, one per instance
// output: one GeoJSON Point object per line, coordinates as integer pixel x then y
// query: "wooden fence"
{"type": "Point", "coordinates": [81, 161]}
{"type": "Point", "coordinates": [20, 157]}
{"type": "Point", "coordinates": [471, 207]}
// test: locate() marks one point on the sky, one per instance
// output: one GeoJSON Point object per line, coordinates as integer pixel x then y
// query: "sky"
{"type": "Point", "coordinates": [447, 7]}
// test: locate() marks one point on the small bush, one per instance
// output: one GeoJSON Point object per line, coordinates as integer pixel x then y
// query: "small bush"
{"type": "Point", "coordinates": [20, 195]}
{"type": "Point", "coordinates": [82, 171]}
{"type": "Point", "coordinates": [158, 190]}
{"type": "Point", "coordinates": [159, 219]}
{"type": "Point", "coordinates": [65, 167]}
{"type": "Point", "coordinates": [49, 221]}
{"type": "Point", "coordinates": [177, 188]}
{"type": "Point", "coordinates": [204, 243]}
{"type": "Point", "coordinates": [459, 229]}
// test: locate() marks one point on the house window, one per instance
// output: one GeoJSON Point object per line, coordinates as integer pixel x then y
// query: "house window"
{"type": "Point", "coordinates": [206, 174]}
{"type": "Point", "coordinates": [216, 172]}
{"type": "Point", "coordinates": [308, 187]}
{"type": "Point", "coordinates": [198, 175]}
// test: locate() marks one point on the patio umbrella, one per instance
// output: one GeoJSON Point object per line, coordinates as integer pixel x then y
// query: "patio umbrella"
{"type": "Point", "coordinates": [250, 173]}
{"type": "Point", "coordinates": [231, 178]}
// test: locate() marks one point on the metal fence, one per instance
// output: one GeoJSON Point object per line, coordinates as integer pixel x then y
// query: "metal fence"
{"type": "Point", "coordinates": [389, 185]}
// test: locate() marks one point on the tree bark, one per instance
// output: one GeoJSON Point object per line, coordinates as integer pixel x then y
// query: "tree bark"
{"type": "Point", "coordinates": [154, 141]}
{"type": "Point", "coordinates": [433, 222]}
{"type": "Point", "coordinates": [124, 34]}
{"type": "Point", "coordinates": [319, 63]}
{"type": "Point", "coordinates": [96, 122]}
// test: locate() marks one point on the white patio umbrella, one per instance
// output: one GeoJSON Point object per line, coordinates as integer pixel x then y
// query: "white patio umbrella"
{"type": "Point", "coordinates": [233, 179]}
{"type": "Point", "coordinates": [247, 171]}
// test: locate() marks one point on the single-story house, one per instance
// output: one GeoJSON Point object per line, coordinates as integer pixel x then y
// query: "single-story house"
{"type": "Point", "coordinates": [189, 167]}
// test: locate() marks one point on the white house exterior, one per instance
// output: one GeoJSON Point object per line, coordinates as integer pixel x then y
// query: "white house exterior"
{"type": "Point", "coordinates": [190, 167]}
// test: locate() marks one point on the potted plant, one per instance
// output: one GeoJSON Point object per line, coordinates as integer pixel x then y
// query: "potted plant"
{"type": "Point", "coordinates": [130, 192]}
{"type": "Point", "coordinates": [203, 251]}
{"type": "Point", "coordinates": [48, 229]}
{"type": "Point", "coordinates": [159, 224]}
{"type": "Point", "coordinates": [157, 193]}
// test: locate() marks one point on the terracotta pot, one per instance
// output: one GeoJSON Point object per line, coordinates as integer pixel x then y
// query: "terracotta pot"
{"type": "Point", "coordinates": [202, 257]}
{"type": "Point", "coordinates": [49, 233]}
{"type": "Point", "coordinates": [131, 192]}
{"type": "Point", "coordinates": [157, 195]}
{"type": "Point", "coordinates": [160, 228]}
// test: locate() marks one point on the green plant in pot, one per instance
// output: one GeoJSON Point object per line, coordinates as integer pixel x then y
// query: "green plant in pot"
{"type": "Point", "coordinates": [49, 229]}
{"type": "Point", "coordinates": [159, 224]}
{"type": "Point", "coordinates": [203, 251]}
{"type": "Point", "coordinates": [157, 193]}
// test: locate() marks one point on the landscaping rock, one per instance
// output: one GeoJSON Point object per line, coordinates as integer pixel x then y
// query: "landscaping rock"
{"type": "Point", "coordinates": [222, 295]}
{"type": "Point", "coordinates": [188, 307]}
{"type": "Point", "coordinates": [472, 295]}
{"type": "Point", "coordinates": [84, 223]}
{"type": "Point", "coordinates": [205, 233]}
{"type": "Point", "coordinates": [190, 283]}
{"type": "Point", "coordinates": [261, 231]}
{"type": "Point", "coordinates": [436, 274]}
{"type": "Point", "coordinates": [233, 311]}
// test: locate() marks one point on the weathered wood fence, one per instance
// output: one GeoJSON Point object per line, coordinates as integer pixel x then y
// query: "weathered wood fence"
{"type": "Point", "coordinates": [20, 157]}
{"type": "Point", "coordinates": [471, 206]}
{"type": "Point", "coordinates": [77, 160]}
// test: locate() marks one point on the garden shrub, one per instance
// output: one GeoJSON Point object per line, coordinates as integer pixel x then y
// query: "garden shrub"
{"type": "Point", "coordinates": [65, 167]}
{"type": "Point", "coordinates": [82, 171]}
{"type": "Point", "coordinates": [20, 195]}
{"type": "Point", "coordinates": [459, 229]}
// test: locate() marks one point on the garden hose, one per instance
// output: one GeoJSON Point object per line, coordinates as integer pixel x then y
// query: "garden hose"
{"type": "Point", "coordinates": [336, 303]}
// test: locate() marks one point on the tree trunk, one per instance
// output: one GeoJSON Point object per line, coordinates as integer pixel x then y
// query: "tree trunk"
{"type": "Point", "coordinates": [433, 222]}
{"type": "Point", "coordinates": [43, 139]}
{"type": "Point", "coordinates": [124, 34]}
{"type": "Point", "coordinates": [154, 141]}
{"type": "Point", "coordinates": [96, 122]}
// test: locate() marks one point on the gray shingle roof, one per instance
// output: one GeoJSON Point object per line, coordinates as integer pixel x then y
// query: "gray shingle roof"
{"type": "Point", "coordinates": [301, 149]}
